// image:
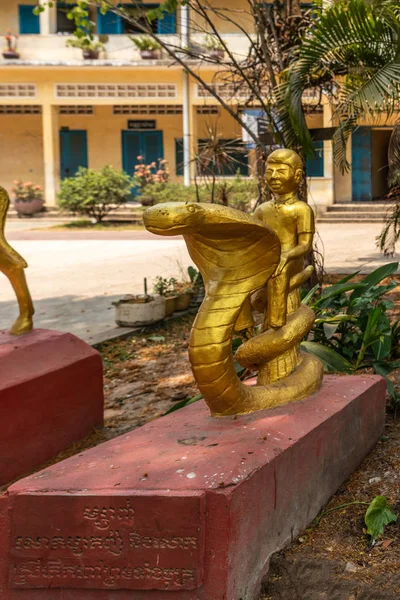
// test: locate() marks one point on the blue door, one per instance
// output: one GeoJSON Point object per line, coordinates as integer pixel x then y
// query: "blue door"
{"type": "Point", "coordinates": [315, 165]}
{"type": "Point", "coordinates": [73, 151]}
{"type": "Point", "coordinates": [361, 164]}
{"type": "Point", "coordinates": [28, 22]}
{"type": "Point", "coordinates": [147, 144]}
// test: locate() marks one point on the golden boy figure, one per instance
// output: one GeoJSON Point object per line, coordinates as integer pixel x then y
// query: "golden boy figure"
{"type": "Point", "coordinates": [293, 222]}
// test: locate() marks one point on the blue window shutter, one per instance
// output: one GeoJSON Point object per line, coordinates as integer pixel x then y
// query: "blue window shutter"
{"type": "Point", "coordinates": [152, 146]}
{"type": "Point", "coordinates": [73, 151]}
{"type": "Point", "coordinates": [179, 157]}
{"type": "Point", "coordinates": [361, 164]}
{"type": "Point", "coordinates": [28, 22]}
{"type": "Point", "coordinates": [167, 24]}
{"type": "Point", "coordinates": [315, 165]}
{"type": "Point", "coordinates": [110, 23]}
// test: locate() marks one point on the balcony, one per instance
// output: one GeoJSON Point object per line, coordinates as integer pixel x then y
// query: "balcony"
{"type": "Point", "coordinates": [50, 49]}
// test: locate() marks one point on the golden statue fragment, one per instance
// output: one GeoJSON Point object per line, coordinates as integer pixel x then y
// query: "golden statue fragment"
{"type": "Point", "coordinates": [13, 265]}
{"type": "Point", "coordinates": [239, 255]}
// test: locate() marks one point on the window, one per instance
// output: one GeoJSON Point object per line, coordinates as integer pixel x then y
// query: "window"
{"type": "Point", "coordinates": [110, 23]}
{"type": "Point", "coordinates": [28, 22]}
{"type": "Point", "coordinates": [315, 166]}
{"type": "Point", "coordinates": [227, 157]}
{"type": "Point", "coordinates": [64, 25]}
{"type": "Point", "coordinates": [179, 156]}
{"type": "Point", "coordinates": [115, 90]}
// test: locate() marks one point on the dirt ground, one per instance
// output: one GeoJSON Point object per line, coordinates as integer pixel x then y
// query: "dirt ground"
{"type": "Point", "coordinates": [334, 556]}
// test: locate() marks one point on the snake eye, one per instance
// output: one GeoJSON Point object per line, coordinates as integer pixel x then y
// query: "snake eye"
{"type": "Point", "coordinates": [191, 208]}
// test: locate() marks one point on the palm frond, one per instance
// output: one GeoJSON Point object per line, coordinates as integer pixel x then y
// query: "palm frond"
{"type": "Point", "coordinates": [354, 48]}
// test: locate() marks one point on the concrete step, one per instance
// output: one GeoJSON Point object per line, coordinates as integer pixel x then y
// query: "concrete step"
{"type": "Point", "coordinates": [355, 215]}
{"type": "Point", "coordinates": [350, 220]}
{"type": "Point", "coordinates": [360, 207]}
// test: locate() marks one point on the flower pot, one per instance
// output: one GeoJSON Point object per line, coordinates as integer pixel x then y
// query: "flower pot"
{"type": "Point", "coordinates": [90, 54]}
{"type": "Point", "coordinates": [183, 301]}
{"type": "Point", "coordinates": [147, 200]}
{"type": "Point", "coordinates": [217, 54]}
{"type": "Point", "coordinates": [169, 305]}
{"type": "Point", "coordinates": [135, 312]}
{"type": "Point", "coordinates": [10, 54]}
{"type": "Point", "coordinates": [149, 54]}
{"type": "Point", "coordinates": [28, 207]}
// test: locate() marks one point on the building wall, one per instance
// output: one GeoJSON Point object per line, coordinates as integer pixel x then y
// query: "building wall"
{"type": "Point", "coordinates": [22, 149]}
{"type": "Point", "coordinates": [234, 9]}
{"type": "Point", "coordinates": [104, 134]}
{"type": "Point", "coordinates": [9, 14]}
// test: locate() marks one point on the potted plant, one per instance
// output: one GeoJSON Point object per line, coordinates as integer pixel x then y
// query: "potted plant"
{"type": "Point", "coordinates": [140, 310]}
{"type": "Point", "coordinates": [149, 48]}
{"type": "Point", "coordinates": [166, 288]}
{"type": "Point", "coordinates": [11, 46]}
{"type": "Point", "coordinates": [214, 47]}
{"type": "Point", "coordinates": [89, 46]}
{"type": "Point", "coordinates": [183, 292]}
{"type": "Point", "coordinates": [28, 198]}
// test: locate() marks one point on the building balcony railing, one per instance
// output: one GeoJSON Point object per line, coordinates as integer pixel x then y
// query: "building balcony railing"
{"type": "Point", "coordinates": [52, 48]}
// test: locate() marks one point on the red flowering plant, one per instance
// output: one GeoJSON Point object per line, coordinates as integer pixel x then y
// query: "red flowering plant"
{"type": "Point", "coordinates": [145, 175]}
{"type": "Point", "coordinates": [26, 191]}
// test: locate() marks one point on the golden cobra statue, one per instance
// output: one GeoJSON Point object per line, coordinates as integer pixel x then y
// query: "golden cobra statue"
{"type": "Point", "coordinates": [13, 265]}
{"type": "Point", "coordinates": [239, 255]}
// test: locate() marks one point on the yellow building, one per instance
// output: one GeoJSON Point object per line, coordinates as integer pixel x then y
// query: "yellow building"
{"type": "Point", "coordinates": [59, 111]}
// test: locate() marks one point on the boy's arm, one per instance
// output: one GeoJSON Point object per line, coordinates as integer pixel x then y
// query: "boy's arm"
{"type": "Point", "coordinates": [303, 247]}
{"type": "Point", "coordinates": [305, 235]}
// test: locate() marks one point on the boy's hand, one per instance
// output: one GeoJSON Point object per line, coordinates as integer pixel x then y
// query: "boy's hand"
{"type": "Point", "coordinates": [282, 264]}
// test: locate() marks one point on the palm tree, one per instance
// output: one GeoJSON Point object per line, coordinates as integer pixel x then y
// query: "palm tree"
{"type": "Point", "coordinates": [353, 55]}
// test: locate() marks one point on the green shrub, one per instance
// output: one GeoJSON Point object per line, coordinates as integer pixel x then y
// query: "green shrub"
{"type": "Point", "coordinates": [95, 193]}
{"type": "Point", "coordinates": [352, 329]}
{"type": "Point", "coordinates": [170, 192]}
{"type": "Point", "coordinates": [238, 193]}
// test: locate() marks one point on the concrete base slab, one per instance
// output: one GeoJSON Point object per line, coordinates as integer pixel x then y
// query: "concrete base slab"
{"type": "Point", "coordinates": [188, 507]}
{"type": "Point", "coordinates": [51, 395]}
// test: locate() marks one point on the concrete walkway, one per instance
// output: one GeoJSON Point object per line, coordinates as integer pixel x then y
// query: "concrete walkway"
{"type": "Point", "coordinates": [75, 276]}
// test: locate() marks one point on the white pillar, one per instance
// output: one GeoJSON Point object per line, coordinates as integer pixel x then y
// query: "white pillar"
{"type": "Point", "coordinates": [186, 98]}
{"type": "Point", "coordinates": [48, 20]}
{"type": "Point", "coordinates": [50, 152]}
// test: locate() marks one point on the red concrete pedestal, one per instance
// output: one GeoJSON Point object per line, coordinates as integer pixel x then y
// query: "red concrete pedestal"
{"type": "Point", "coordinates": [188, 507]}
{"type": "Point", "coordinates": [51, 395]}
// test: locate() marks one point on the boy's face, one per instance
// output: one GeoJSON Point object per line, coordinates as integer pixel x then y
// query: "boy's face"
{"type": "Point", "coordinates": [281, 177]}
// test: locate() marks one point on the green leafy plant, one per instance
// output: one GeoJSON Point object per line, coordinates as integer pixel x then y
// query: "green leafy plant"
{"type": "Point", "coordinates": [173, 192]}
{"type": "Point", "coordinates": [240, 193]}
{"type": "Point", "coordinates": [352, 329]}
{"type": "Point", "coordinates": [213, 44]}
{"type": "Point", "coordinates": [165, 286]}
{"type": "Point", "coordinates": [86, 44]}
{"type": "Point", "coordinates": [378, 515]}
{"type": "Point", "coordinates": [145, 43]}
{"type": "Point", "coordinates": [95, 193]}
{"type": "Point", "coordinates": [195, 277]}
